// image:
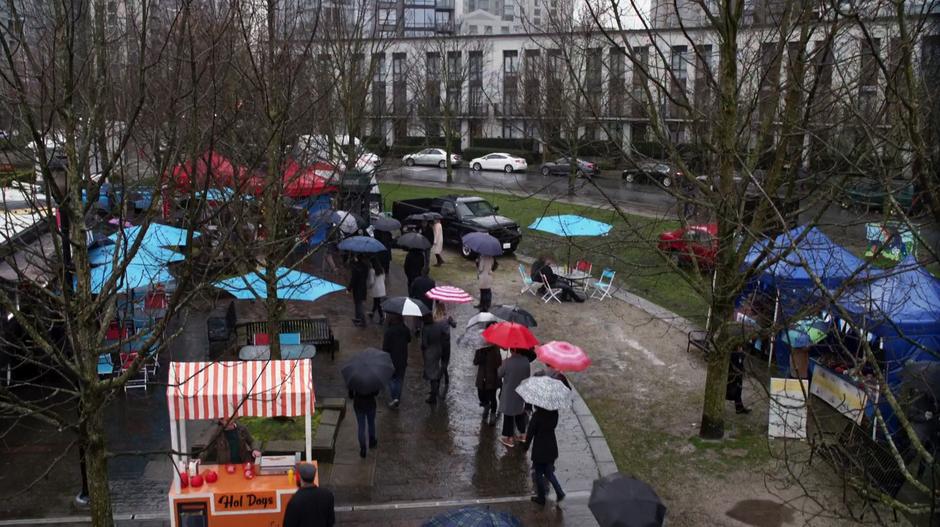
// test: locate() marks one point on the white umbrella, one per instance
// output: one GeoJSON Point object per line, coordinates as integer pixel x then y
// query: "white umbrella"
{"type": "Point", "coordinates": [544, 392]}
{"type": "Point", "coordinates": [405, 306]}
{"type": "Point", "coordinates": [482, 318]}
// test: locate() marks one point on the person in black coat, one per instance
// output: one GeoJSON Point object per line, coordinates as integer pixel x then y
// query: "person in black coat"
{"type": "Point", "coordinates": [735, 387]}
{"type": "Point", "coordinates": [488, 360]}
{"type": "Point", "coordinates": [310, 506]}
{"type": "Point", "coordinates": [364, 406]}
{"type": "Point", "coordinates": [395, 343]}
{"type": "Point", "coordinates": [414, 265]}
{"type": "Point", "coordinates": [385, 257]}
{"type": "Point", "coordinates": [540, 435]}
{"type": "Point", "coordinates": [419, 288]}
{"type": "Point", "coordinates": [359, 287]}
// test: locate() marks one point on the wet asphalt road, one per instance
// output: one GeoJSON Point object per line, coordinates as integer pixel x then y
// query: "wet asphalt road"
{"type": "Point", "coordinates": [843, 225]}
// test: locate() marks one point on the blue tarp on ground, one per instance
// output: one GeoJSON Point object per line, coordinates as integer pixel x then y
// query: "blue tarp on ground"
{"type": "Point", "coordinates": [797, 260]}
{"type": "Point", "coordinates": [569, 225]}
{"type": "Point", "coordinates": [292, 285]}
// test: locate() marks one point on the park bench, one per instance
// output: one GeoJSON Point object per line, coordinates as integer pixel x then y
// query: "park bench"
{"type": "Point", "coordinates": [314, 331]}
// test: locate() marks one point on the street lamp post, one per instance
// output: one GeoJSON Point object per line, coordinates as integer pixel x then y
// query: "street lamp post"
{"type": "Point", "coordinates": [58, 169]}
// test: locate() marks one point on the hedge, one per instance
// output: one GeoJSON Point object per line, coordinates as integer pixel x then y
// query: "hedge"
{"type": "Point", "coordinates": [499, 144]}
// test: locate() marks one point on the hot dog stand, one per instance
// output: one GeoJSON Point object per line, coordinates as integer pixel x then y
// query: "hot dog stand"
{"type": "Point", "coordinates": [220, 390]}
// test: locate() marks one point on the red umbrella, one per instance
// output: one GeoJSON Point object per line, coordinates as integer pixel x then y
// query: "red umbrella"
{"type": "Point", "coordinates": [563, 356]}
{"type": "Point", "coordinates": [509, 335]}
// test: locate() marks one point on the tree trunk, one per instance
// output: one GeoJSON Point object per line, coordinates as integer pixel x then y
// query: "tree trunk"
{"type": "Point", "coordinates": [96, 461]}
{"type": "Point", "coordinates": [713, 423]}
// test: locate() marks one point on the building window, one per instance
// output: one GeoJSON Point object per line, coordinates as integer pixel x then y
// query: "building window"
{"type": "Point", "coordinates": [504, 30]}
{"type": "Point", "coordinates": [472, 29]}
{"type": "Point", "coordinates": [677, 64]}
{"type": "Point", "coordinates": [868, 69]}
{"type": "Point", "coordinates": [442, 21]}
{"type": "Point", "coordinates": [510, 62]}
{"type": "Point", "coordinates": [475, 66]}
{"type": "Point", "coordinates": [388, 17]}
{"type": "Point", "coordinates": [398, 67]}
{"type": "Point", "coordinates": [488, 30]}
{"type": "Point", "coordinates": [434, 66]}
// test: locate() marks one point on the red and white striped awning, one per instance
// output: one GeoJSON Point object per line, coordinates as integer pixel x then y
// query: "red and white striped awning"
{"type": "Point", "coordinates": [217, 390]}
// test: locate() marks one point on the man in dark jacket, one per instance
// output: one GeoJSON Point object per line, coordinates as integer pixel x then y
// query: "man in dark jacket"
{"type": "Point", "coordinates": [488, 360]}
{"type": "Point", "coordinates": [232, 444]}
{"type": "Point", "coordinates": [419, 288]}
{"type": "Point", "coordinates": [359, 287]}
{"type": "Point", "coordinates": [311, 506]}
{"type": "Point", "coordinates": [414, 265]}
{"type": "Point", "coordinates": [540, 435]}
{"type": "Point", "coordinates": [395, 343]}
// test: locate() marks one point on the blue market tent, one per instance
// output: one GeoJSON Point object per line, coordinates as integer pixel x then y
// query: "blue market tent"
{"type": "Point", "coordinates": [900, 306]}
{"type": "Point", "coordinates": [793, 259]}
{"type": "Point", "coordinates": [135, 276]}
{"type": "Point", "coordinates": [292, 285]}
{"type": "Point", "coordinates": [157, 235]}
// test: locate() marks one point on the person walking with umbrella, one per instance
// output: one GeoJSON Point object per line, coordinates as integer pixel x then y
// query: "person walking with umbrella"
{"type": "Point", "coordinates": [395, 343]}
{"type": "Point", "coordinates": [547, 396]}
{"type": "Point", "coordinates": [414, 265]}
{"type": "Point", "coordinates": [377, 288]}
{"type": "Point", "coordinates": [437, 247]}
{"type": "Point", "coordinates": [488, 360]}
{"type": "Point", "coordinates": [359, 287]}
{"type": "Point", "coordinates": [365, 375]}
{"type": "Point", "coordinates": [486, 265]}
{"type": "Point", "coordinates": [511, 373]}
{"type": "Point", "coordinates": [435, 346]}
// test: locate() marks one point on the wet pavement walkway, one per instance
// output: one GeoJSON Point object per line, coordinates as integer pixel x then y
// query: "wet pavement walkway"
{"type": "Point", "coordinates": [429, 458]}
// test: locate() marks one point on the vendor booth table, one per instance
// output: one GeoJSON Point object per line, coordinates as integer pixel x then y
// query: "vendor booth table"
{"type": "Point", "coordinates": [222, 390]}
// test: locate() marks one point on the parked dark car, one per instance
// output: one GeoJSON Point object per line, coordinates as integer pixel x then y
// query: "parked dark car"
{"type": "Point", "coordinates": [562, 167]}
{"type": "Point", "coordinates": [463, 215]}
{"type": "Point", "coordinates": [652, 171]}
{"type": "Point", "coordinates": [867, 194]}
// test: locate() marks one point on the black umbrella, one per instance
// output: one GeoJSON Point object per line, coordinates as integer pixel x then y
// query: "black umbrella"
{"type": "Point", "coordinates": [619, 500]}
{"type": "Point", "coordinates": [368, 371]}
{"type": "Point", "coordinates": [405, 306]}
{"type": "Point", "coordinates": [514, 314]}
{"type": "Point", "coordinates": [385, 224]}
{"type": "Point", "coordinates": [413, 240]}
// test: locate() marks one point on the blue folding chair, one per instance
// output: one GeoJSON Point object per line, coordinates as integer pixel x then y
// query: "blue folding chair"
{"type": "Point", "coordinates": [105, 365]}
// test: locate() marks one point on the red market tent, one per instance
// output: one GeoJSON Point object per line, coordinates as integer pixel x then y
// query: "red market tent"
{"type": "Point", "coordinates": [298, 181]}
{"type": "Point", "coordinates": [209, 164]}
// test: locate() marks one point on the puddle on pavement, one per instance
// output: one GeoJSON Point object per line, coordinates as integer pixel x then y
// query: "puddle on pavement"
{"type": "Point", "coordinates": [761, 513]}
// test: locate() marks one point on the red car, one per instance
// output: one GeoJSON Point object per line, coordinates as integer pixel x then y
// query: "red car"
{"type": "Point", "coordinates": [698, 242]}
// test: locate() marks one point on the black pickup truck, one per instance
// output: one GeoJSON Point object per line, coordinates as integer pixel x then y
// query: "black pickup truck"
{"type": "Point", "coordinates": [463, 215]}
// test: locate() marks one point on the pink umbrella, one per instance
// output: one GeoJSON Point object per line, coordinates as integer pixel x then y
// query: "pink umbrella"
{"type": "Point", "coordinates": [450, 294]}
{"type": "Point", "coordinates": [563, 356]}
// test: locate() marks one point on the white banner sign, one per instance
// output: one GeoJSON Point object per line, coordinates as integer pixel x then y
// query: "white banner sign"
{"type": "Point", "coordinates": [787, 417]}
{"type": "Point", "coordinates": [842, 395]}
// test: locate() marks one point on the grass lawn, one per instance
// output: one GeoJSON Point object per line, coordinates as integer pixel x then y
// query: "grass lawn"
{"type": "Point", "coordinates": [629, 248]}
{"type": "Point", "coordinates": [264, 429]}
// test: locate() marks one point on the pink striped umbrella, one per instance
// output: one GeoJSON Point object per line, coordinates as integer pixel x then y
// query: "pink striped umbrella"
{"type": "Point", "coordinates": [450, 294]}
{"type": "Point", "coordinates": [563, 356]}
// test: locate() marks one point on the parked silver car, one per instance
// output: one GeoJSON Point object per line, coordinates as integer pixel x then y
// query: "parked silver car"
{"type": "Point", "coordinates": [431, 156]}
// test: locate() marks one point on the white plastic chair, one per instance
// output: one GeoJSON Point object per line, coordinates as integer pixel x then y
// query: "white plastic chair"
{"type": "Point", "coordinates": [603, 284]}
{"type": "Point", "coordinates": [528, 286]}
{"type": "Point", "coordinates": [550, 292]}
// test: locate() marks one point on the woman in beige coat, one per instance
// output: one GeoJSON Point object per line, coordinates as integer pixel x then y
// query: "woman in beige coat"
{"type": "Point", "coordinates": [437, 248]}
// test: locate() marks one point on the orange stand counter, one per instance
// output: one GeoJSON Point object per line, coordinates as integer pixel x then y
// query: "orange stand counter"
{"type": "Point", "coordinates": [232, 501]}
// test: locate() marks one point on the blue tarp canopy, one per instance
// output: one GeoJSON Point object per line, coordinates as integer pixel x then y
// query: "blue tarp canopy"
{"type": "Point", "coordinates": [570, 225]}
{"type": "Point", "coordinates": [902, 307]}
{"type": "Point", "coordinates": [135, 276]}
{"type": "Point", "coordinates": [796, 260]}
{"type": "Point", "coordinates": [156, 235]}
{"type": "Point", "coordinates": [291, 285]}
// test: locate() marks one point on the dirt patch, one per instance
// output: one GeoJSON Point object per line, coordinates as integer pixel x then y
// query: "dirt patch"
{"type": "Point", "coordinates": [761, 513]}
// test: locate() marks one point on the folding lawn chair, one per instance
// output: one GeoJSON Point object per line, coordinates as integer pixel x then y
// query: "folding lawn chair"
{"type": "Point", "coordinates": [551, 293]}
{"type": "Point", "coordinates": [138, 381]}
{"type": "Point", "coordinates": [603, 284]}
{"type": "Point", "coordinates": [105, 365]}
{"type": "Point", "coordinates": [585, 267]}
{"type": "Point", "coordinates": [528, 285]}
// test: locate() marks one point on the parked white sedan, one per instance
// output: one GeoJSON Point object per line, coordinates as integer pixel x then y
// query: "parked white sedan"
{"type": "Point", "coordinates": [505, 162]}
{"type": "Point", "coordinates": [431, 156]}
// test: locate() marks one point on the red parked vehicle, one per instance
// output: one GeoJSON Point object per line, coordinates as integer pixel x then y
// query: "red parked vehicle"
{"type": "Point", "coordinates": [695, 242]}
